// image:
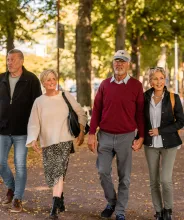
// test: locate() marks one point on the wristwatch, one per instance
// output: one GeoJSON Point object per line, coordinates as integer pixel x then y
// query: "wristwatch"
{"type": "Point", "coordinates": [82, 131]}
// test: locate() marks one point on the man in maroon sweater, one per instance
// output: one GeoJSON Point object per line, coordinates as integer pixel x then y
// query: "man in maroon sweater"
{"type": "Point", "coordinates": [118, 112]}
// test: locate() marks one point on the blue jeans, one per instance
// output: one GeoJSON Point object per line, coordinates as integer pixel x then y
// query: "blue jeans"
{"type": "Point", "coordinates": [20, 155]}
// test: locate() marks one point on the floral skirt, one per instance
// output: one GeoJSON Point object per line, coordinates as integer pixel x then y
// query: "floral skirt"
{"type": "Point", "coordinates": [55, 161]}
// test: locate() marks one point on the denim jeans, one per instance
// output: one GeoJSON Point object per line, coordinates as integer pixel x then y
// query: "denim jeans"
{"type": "Point", "coordinates": [18, 183]}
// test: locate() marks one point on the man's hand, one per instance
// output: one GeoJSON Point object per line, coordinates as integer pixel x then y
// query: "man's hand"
{"type": "Point", "coordinates": [153, 132]}
{"type": "Point", "coordinates": [34, 145]}
{"type": "Point", "coordinates": [80, 138]}
{"type": "Point", "coordinates": [92, 142]}
{"type": "Point", "coordinates": [137, 144]}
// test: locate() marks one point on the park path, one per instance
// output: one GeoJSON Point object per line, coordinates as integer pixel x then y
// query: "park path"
{"type": "Point", "coordinates": [83, 194]}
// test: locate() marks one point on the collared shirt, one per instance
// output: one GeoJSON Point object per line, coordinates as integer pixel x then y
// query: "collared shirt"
{"type": "Point", "coordinates": [155, 118]}
{"type": "Point", "coordinates": [125, 80]}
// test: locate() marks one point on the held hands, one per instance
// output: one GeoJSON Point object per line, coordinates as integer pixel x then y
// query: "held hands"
{"type": "Point", "coordinates": [34, 145]}
{"type": "Point", "coordinates": [137, 144]}
{"type": "Point", "coordinates": [80, 138]}
{"type": "Point", "coordinates": [153, 132]}
{"type": "Point", "coordinates": [92, 142]}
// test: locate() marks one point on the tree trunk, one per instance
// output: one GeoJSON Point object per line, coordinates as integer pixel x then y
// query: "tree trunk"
{"type": "Point", "coordinates": [10, 41]}
{"type": "Point", "coordinates": [162, 62]}
{"type": "Point", "coordinates": [121, 25]}
{"type": "Point", "coordinates": [11, 26]}
{"type": "Point", "coordinates": [83, 53]}
{"type": "Point", "coordinates": [135, 56]}
{"type": "Point", "coordinates": [162, 59]}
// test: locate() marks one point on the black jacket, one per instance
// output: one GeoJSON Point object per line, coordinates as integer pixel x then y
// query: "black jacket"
{"type": "Point", "coordinates": [170, 123]}
{"type": "Point", "coordinates": [14, 114]}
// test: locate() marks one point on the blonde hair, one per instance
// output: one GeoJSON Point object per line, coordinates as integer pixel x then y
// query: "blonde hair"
{"type": "Point", "coordinates": [151, 72]}
{"type": "Point", "coordinates": [45, 73]}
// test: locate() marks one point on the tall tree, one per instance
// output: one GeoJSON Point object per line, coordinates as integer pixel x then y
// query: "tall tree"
{"type": "Point", "coordinates": [83, 52]}
{"type": "Point", "coordinates": [121, 25]}
{"type": "Point", "coordinates": [152, 25]}
{"type": "Point", "coordinates": [17, 16]}
{"type": "Point", "coordinates": [8, 23]}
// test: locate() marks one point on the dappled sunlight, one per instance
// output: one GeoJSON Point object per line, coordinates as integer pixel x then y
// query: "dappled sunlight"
{"type": "Point", "coordinates": [38, 188]}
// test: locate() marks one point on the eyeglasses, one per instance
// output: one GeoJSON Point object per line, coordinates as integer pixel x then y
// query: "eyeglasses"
{"type": "Point", "coordinates": [120, 61]}
{"type": "Point", "coordinates": [158, 68]}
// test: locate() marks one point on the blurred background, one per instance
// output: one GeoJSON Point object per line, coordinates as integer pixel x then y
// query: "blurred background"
{"type": "Point", "coordinates": [78, 38]}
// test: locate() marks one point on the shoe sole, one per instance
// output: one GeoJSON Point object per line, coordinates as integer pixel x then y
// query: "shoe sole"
{"type": "Point", "coordinates": [6, 204]}
{"type": "Point", "coordinates": [14, 211]}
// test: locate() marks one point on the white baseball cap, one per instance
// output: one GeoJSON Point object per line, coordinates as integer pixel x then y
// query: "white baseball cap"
{"type": "Point", "coordinates": [123, 55]}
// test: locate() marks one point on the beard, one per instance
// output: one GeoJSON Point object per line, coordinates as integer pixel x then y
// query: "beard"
{"type": "Point", "coordinates": [120, 72]}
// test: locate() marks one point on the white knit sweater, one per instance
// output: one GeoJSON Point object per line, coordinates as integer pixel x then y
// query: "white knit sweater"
{"type": "Point", "coordinates": [48, 119]}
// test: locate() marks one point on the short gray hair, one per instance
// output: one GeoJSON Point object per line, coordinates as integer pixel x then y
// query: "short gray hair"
{"type": "Point", "coordinates": [153, 70]}
{"type": "Point", "coordinates": [19, 52]}
{"type": "Point", "coordinates": [45, 73]}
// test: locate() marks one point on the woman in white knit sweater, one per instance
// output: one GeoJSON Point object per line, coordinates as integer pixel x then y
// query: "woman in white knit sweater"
{"type": "Point", "coordinates": [48, 122]}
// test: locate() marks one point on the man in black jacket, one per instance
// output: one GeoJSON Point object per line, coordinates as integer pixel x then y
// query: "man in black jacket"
{"type": "Point", "coordinates": [18, 90]}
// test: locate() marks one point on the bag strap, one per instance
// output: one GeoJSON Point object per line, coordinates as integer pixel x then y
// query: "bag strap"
{"type": "Point", "coordinates": [172, 104]}
{"type": "Point", "coordinates": [172, 101]}
{"type": "Point", "coordinates": [67, 102]}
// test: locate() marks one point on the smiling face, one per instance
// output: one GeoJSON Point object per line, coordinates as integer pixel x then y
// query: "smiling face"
{"type": "Point", "coordinates": [158, 81]}
{"type": "Point", "coordinates": [50, 82]}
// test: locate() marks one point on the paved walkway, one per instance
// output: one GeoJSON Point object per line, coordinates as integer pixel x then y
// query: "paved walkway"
{"type": "Point", "coordinates": [83, 194]}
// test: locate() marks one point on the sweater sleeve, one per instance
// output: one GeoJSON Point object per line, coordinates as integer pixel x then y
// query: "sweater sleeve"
{"type": "Point", "coordinates": [97, 110]}
{"type": "Point", "coordinates": [139, 117]}
{"type": "Point", "coordinates": [33, 125]}
{"type": "Point", "coordinates": [178, 121]}
{"type": "Point", "coordinates": [82, 117]}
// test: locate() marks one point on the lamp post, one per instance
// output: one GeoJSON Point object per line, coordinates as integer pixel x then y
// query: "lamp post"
{"type": "Point", "coordinates": [58, 19]}
{"type": "Point", "coordinates": [176, 64]}
{"type": "Point", "coordinates": [175, 28]}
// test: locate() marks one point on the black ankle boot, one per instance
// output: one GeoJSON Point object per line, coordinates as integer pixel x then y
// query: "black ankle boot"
{"type": "Point", "coordinates": [158, 216]}
{"type": "Point", "coordinates": [55, 207]}
{"type": "Point", "coordinates": [62, 206]}
{"type": "Point", "coordinates": [167, 214]}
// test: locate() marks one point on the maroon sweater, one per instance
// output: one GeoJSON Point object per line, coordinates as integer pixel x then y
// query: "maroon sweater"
{"type": "Point", "coordinates": [118, 108]}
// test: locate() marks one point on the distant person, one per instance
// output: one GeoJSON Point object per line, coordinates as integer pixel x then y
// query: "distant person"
{"type": "Point", "coordinates": [162, 122]}
{"type": "Point", "coordinates": [48, 122]}
{"type": "Point", "coordinates": [118, 112]}
{"type": "Point", "coordinates": [18, 90]}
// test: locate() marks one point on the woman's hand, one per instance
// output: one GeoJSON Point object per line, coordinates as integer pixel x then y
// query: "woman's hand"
{"type": "Point", "coordinates": [34, 145]}
{"type": "Point", "coordinates": [153, 132]}
{"type": "Point", "coordinates": [80, 138]}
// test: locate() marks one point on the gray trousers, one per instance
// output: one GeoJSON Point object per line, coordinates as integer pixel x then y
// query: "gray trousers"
{"type": "Point", "coordinates": [160, 163]}
{"type": "Point", "coordinates": [120, 145]}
